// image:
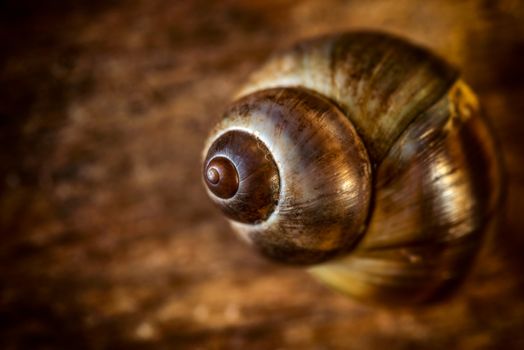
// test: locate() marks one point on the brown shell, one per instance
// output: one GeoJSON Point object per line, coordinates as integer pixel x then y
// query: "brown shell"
{"type": "Point", "coordinates": [436, 177]}
{"type": "Point", "coordinates": [323, 170]}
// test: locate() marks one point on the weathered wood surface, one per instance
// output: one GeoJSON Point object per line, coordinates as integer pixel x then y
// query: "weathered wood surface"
{"type": "Point", "coordinates": [107, 239]}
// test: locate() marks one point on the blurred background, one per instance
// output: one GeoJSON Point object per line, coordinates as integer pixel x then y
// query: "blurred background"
{"type": "Point", "coordinates": [107, 239]}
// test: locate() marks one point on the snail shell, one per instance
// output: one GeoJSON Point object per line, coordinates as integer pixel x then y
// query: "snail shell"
{"type": "Point", "coordinates": [364, 156]}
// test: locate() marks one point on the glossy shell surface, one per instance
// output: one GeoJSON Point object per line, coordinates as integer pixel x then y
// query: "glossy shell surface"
{"type": "Point", "coordinates": [429, 181]}
{"type": "Point", "coordinates": [324, 174]}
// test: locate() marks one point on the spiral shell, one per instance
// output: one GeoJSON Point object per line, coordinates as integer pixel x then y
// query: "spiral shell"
{"type": "Point", "coordinates": [374, 163]}
{"type": "Point", "coordinates": [323, 183]}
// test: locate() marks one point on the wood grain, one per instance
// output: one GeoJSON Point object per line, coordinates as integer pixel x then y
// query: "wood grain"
{"type": "Point", "coordinates": [107, 239]}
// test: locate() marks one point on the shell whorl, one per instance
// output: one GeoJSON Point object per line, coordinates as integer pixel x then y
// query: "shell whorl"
{"type": "Point", "coordinates": [324, 175]}
{"type": "Point", "coordinates": [381, 163]}
{"type": "Point", "coordinates": [247, 182]}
